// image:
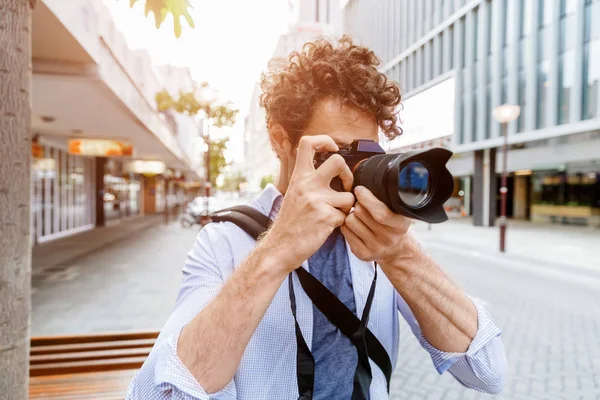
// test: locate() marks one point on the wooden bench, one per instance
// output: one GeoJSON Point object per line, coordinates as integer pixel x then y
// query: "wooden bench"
{"type": "Point", "coordinates": [98, 366]}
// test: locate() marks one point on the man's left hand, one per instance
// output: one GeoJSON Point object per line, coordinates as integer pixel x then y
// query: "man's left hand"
{"type": "Point", "coordinates": [374, 232]}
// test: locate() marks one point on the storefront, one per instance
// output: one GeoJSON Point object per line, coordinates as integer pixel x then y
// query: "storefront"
{"type": "Point", "coordinates": [61, 193]}
{"type": "Point", "coordinates": [569, 196]}
{"type": "Point", "coordinates": [122, 191]}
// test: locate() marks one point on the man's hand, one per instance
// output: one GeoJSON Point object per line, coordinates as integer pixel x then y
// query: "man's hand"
{"type": "Point", "coordinates": [374, 232]}
{"type": "Point", "coordinates": [311, 209]}
{"type": "Point", "coordinates": [447, 318]}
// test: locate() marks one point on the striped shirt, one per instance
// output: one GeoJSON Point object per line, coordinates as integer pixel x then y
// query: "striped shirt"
{"type": "Point", "coordinates": [267, 369]}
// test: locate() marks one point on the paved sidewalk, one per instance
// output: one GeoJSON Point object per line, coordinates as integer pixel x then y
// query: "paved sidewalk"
{"type": "Point", "coordinates": [56, 253]}
{"type": "Point", "coordinates": [551, 245]}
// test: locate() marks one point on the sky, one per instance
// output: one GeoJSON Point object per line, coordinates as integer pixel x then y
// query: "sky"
{"type": "Point", "coordinates": [229, 47]}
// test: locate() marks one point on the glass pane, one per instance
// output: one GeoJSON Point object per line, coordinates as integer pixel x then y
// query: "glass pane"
{"type": "Point", "coordinates": [568, 33]}
{"type": "Point", "coordinates": [591, 79]}
{"type": "Point", "coordinates": [526, 16]}
{"type": "Point", "coordinates": [567, 70]}
{"type": "Point", "coordinates": [543, 87]}
{"type": "Point", "coordinates": [522, 101]}
{"type": "Point", "coordinates": [594, 15]}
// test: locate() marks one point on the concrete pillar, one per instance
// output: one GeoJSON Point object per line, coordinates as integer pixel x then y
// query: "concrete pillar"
{"type": "Point", "coordinates": [520, 198]}
{"type": "Point", "coordinates": [484, 188]}
{"type": "Point", "coordinates": [99, 165]}
{"type": "Point", "coordinates": [467, 196]}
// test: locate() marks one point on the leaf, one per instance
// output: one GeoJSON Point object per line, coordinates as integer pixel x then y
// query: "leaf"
{"type": "Point", "coordinates": [161, 8]}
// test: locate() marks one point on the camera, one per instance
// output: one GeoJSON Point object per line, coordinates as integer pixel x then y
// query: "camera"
{"type": "Point", "coordinates": [415, 184]}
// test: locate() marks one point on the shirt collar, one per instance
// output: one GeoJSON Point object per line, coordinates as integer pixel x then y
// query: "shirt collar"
{"type": "Point", "coordinates": [270, 201]}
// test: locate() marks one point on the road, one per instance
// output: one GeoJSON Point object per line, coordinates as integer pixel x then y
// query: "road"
{"type": "Point", "coordinates": [550, 314]}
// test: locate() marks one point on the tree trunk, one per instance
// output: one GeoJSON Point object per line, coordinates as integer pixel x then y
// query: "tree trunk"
{"type": "Point", "coordinates": [15, 151]}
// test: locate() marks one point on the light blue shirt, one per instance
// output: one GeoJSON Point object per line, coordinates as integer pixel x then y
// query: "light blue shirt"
{"type": "Point", "coordinates": [267, 369]}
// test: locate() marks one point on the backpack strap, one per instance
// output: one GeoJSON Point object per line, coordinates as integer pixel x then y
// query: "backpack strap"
{"type": "Point", "coordinates": [254, 223]}
{"type": "Point", "coordinates": [250, 220]}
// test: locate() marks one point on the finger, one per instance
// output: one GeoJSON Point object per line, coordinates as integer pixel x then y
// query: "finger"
{"type": "Point", "coordinates": [362, 214]}
{"type": "Point", "coordinates": [378, 210]}
{"type": "Point", "coordinates": [399, 222]}
{"type": "Point", "coordinates": [336, 166]}
{"type": "Point", "coordinates": [360, 229]}
{"type": "Point", "coordinates": [340, 200]}
{"type": "Point", "coordinates": [359, 248]}
{"type": "Point", "coordinates": [307, 147]}
{"type": "Point", "coordinates": [338, 217]}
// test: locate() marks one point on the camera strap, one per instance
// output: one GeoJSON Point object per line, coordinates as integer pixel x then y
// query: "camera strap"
{"type": "Point", "coordinates": [254, 223]}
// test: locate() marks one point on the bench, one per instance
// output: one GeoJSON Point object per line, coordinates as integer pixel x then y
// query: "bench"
{"type": "Point", "coordinates": [97, 366]}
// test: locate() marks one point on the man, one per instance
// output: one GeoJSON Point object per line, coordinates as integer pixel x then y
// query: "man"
{"type": "Point", "coordinates": [231, 334]}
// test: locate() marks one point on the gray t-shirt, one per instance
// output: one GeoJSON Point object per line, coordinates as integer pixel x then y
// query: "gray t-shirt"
{"type": "Point", "coordinates": [335, 355]}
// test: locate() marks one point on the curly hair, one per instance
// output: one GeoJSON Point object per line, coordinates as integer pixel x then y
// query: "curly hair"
{"type": "Point", "coordinates": [322, 70]}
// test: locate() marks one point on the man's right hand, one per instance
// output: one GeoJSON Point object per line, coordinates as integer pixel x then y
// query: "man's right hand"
{"type": "Point", "coordinates": [311, 209]}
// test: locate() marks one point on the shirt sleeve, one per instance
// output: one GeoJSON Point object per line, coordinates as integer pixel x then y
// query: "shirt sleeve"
{"type": "Point", "coordinates": [482, 367]}
{"type": "Point", "coordinates": [163, 375]}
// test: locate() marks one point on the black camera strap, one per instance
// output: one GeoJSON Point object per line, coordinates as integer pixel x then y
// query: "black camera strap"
{"type": "Point", "coordinates": [367, 345]}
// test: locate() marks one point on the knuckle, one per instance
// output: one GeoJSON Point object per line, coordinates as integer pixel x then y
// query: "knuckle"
{"type": "Point", "coordinates": [304, 141]}
{"type": "Point", "coordinates": [379, 215]}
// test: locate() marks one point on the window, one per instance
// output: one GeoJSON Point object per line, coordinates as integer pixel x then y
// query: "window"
{"type": "Point", "coordinates": [522, 101]}
{"type": "Point", "coordinates": [591, 63]}
{"type": "Point", "coordinates": [591, 79]}
{"type": "Point", "coordinates": [61, 193]}
{"type": "Point", "coordinates": [568, 7]}
{"type": "Point", "coordinates": [509, 24]}
{"type": "Point", "coordinates": [463, 133]}
{"type": "Point", "coordinates": [543, 91]}
{"type": "Point", "coordinates": [450, 44]}
{"type": "Point", "coordinates": [546, 13]}
{"type": "Point", "coordinates": [544, 43]}
{"type": "Point", "coordinates": [526, 17]}
{"type": "Point", "coordinates": [474, 116]}
{"type": "Point", "coordinates": [488, 114]}
{"type": "Point", "coordinates": [566, 72]}
{"type": "Point", "coordinates": [475, 32]}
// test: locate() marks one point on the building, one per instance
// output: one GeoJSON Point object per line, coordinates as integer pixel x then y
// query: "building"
{"type": "Point", "coordinates": [310, 19]}
{"type": "Point", "coordinates": [101, 152]}
{"type": "Point", "coordinates": [457, 60]}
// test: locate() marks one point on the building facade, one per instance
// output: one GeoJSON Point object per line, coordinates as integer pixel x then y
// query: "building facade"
{"type": "Point", "coordinates": [456, 60]}
{"type": "Point", "coordinates": [90, 91]}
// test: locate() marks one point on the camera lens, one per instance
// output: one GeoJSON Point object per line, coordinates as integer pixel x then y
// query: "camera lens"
{"type": "Point", "coordinates": [413, 184]}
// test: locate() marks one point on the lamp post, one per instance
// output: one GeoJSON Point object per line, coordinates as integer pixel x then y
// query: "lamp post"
{"type": "Point", "coordinates": [206, 96]}
{"type": "Point", "coordinates": [504, 114]}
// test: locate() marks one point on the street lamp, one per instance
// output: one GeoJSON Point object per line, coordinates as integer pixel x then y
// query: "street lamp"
{"type": "Point", "coordinates": [206, 96]}
{"type": "Point", "coordinates": [504, 114]}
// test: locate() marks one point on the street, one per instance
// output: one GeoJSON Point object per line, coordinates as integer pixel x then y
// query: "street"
{"type": "Point", "coordinates": [548, 311]}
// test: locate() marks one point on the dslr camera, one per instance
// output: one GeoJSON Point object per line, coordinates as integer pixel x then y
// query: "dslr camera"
{"type": "Point", "coordinates": [415, 184]}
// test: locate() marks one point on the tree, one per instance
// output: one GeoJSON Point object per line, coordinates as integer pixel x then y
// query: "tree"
{"type": "Point", "coordinates": [15, 150]}
{"type": "Point", "coordinates": [217, 158]}
{"type": "Point", "coordinates": [266, 180]}
{"type": "Point", "coordinates": [161, 8]}
{"type": "Point", "coordinates": [233, 181]}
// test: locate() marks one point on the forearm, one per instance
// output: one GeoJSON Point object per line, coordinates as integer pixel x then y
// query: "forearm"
{"type": "Point", "coordinates": [212, 344]}
{"type": "Point", "coordinates": [446, 316]}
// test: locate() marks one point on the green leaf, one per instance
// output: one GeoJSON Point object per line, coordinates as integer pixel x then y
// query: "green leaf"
{"type": "Point", "coordinates": [161, 8]}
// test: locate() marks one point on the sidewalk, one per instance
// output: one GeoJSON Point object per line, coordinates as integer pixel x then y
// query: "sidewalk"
{"type": "Point", "coordinates": [47, 256]}
{"type": "Point", "coordinates": [557, 245]}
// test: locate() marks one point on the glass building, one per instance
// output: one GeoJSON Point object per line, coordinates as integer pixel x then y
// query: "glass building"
{"type": "Point", "coordinates": [543, 55]}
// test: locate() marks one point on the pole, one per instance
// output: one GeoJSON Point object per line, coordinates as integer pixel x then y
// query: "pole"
{"type": "Point", "coordinates": [503, 190]}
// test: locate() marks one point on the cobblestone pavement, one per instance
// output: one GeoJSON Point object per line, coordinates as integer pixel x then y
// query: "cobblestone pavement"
{"type": "Point", "coordinates": [550, 313]}
{"type": "Point", "coordinates": [129, 285]}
